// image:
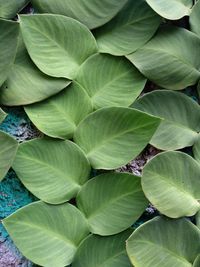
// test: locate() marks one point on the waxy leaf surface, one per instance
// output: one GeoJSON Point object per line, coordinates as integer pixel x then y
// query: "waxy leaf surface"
{"type": "Point", "coordinates": [108, 251]}
{"type": "Point", "coordinates": [113, 136]}
{"type": "Point", "coordinates": [195, 19]}
{"type": "Point", "coordinates": [170, 59]}
{"type": "Point", "coordinates": [58, 45]}
{"type": "Point", "coordinates": [110, 81]}
{"type": "Point", "coordinates": [171, 182]}
{"type": "Point", "coordinates": [131, 28]}
{"type": "Point", "coordinates": [164, 242]}
{"type": "Point", "coordinates": [8, 9]}
{"type": "Point", "coordinates": [112, 202]}
{"type": "Point", "coordinates": [48, 235]}
{"type": "Point", "coordinates": [59, 115]}
{"type": "Point", "coordinates": [92, 13]}
{"type": "Point", "coordinates": [53, 170]}
{"type": "Point", "coordinates": [178, 128]}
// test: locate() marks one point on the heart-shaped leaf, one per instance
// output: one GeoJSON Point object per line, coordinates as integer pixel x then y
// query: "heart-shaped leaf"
{"type": "Point", "coordinates": [107, 251]}
{"type": "Point", "coordinates": [92, 13]}
{"type": "Point", "coordinates": [46, 234]}
{"type": "Point", "coordinates": [112, 202]}
{"type": "Point", "coordinates": [8, 149]}
{"type": "Point", "coordinates": [110, 81]}
{"type": "Point", "coordinates": [8, 46]}
{"type": "Point", "coordinates": [173, 10]}
{"type": "Point", "coordinates": [195, 19]}
{"type": "Point", "coordinates": [2, 115]}
{"type": "Point", "coordinates": [113, 136]}
{"type": "Point", "coordinates": [8, 9]}
{"type": "Point", "coordinates": [58, 45]}
{"type": "Point", "coordinates": [171, 183]}
{"type": "Point", "coordinates": [132, 27]}
{"type": "Point", "coordinates": [178, 128]}
{"type": "Point", "coordinates": [164, 242]}
{"type": "Point", "coordinates": [154, 59]}
{"type": "Point", "coordinates": [59, 115]}
{"type": "Point", "coordinates": [24, 74]}
{"type": "Point", "coordinates": [52, 170]}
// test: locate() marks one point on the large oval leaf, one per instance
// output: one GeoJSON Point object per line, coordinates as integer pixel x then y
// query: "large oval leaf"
{"type": "Point", "coordinates": [112, 202]}
{"type": "Point", "coordinates": [164, 242]}
{"type": "Point", "coordinates": [92, 13]}
{"type": "Point", "coordinates": [107, 251]}
{"type": "Point", "coordinates": [112, 136]}
{"type": "Point", "coordinates": [178, 128]}
{"type": "Point", "coordinates": [154, 59]}
{"type": "Point", "coordinates": [58, 45]}
{"type": "Point", "coordinates": [46, 234]}
{"type": "Point", "coordinates": [52, 170]}
{"type": "Point", "coordinates": [195, 19]}
{"type": "Point", "coordinates": [8, 149]}
{"type": "Point", "coordinates": [26, 83]}
{"type": "Point", "coordinates": [9, 32]}
{"type": "Point", "coordinates": [171, 182]}
{"type": "Point", "coordinates": [59, 115]}
{"type": "Point", "coordinates": [110, 81]}
{"type": "Point", "coordinates": [173, 10]}
{"type": "Point", "coordinates": [2, 115]}
{"type": "Point", "coordinates": [8, 9]}
{"type": "Point", "coordinates": [133, 26]}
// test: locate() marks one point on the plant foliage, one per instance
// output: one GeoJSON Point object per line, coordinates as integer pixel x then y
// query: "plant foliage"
{"type": "Point", "coordinates": [80, 69]}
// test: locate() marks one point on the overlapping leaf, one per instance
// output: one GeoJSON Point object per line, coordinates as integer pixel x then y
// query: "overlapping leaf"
{"type": "Point", "coordinates": [107, 251]}
{"type": "Point", "coordinates": [133, 26]}
{"type": "Point", "coordinates": [54, 232]}
{"type": "Point", "coordinates": [195, 19]}
{"type": "Point", "coordinates": [173, 10]}
{"type": "Point", "coordinates": [196, 149]}
{"type": "Point", "coordinates": [8, 149]}
{"type": "Point", "coordinates": [59, 115]}
{"type": "Point", "coordinates": [52, 170]}
{"type": "Point", "coordinates": [58, 45]}
{"type": "Point", "coordinates": [2, 115]}
{"type": "Point", "coordinates": [8, 9]}
{"type": "Point", "coordinates": [92, 13]}
{"type": "Point", "coordinates": [112, 202]}
{"type": "Point", "coordinates": [171, 182]}
{"type": "Point", "coordinates": [197, 261]}
{"type": "Point", "coordinates": [110, 81]}
{"type": "Point", "coordinates": [164, 242]}
{"type": "Point", "coordinates": [26, 83]}
{"type": "Point", "coordinates": [9, 32]}
{"type": "Point", "coordinates": [163, 61]}
{"type": "Point", "coordinates": [178, 129]}
{"type": "Point", "coordinates": [112, 136]}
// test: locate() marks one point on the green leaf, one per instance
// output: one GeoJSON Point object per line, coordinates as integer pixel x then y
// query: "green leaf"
{"type": "Point", "coordinates": [172, 10]}
{"type": "Point", "coordinates": [195, 19]}
{"type": "Point", "coordinates": [2, 115]}
{"type": "Point", "coordinates": [52, 170]}
{"type": "Point", "coordinates": [178, 128]}
{"type": "Point", "coordinates": [164, 242]}
{"type": "Point", "coordinates": [171, 183]}
{"type": "Point", "coordinates": [92, 13]}
{"type": "Point", "coordinates": [196, 149]}
{"type": "Point", "coordinates": [8, 46]}
{"type": "Point", "coordinates": [113, 136]}
{"type": "Point", "coordinates": [112, 202]}
{"type": "Point", "coordinates": [59, 115]}
{"type": "Point", "coordinates": [133, 26]}
{"type": "Point", "coordinates": [154, 59]}
{"type": "Point", "coordinates": [24, 74]}
{"type": "Point", "coordinates": [197, 261]}
{"type": "Point", "coordinates": [46, 234]}
{"type": "Point", "coordinates": [107, 251]}
{"type": "Point", "coordinates": [8, 149]}
{"type": "Point", "coordinates": [8, 9]}
{"type": "Point", "coordinates": [58, 45]}
{"type": "Point", "coordinates": [197, 217]}
{"type": "Point", "coordinates": [110, 81]}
